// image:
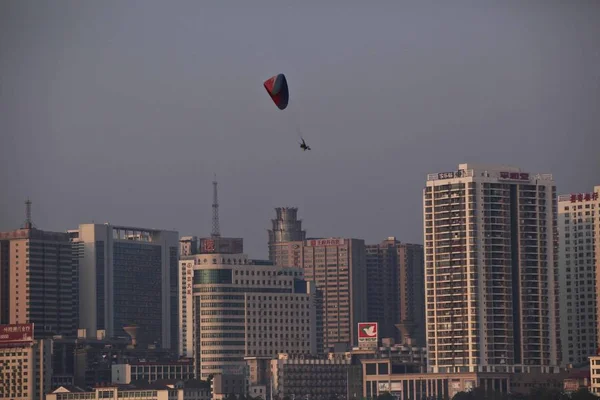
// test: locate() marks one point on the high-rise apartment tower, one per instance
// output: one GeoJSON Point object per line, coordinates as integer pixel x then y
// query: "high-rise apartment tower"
{"type": "Point", "coordinates": [579, 230]}
{"type": "Point", "coordinates": [38, 283]}
{"type": "Point", "coordinates": [491, 270]}
{"type": "Point", "coordinates": [396, 290]}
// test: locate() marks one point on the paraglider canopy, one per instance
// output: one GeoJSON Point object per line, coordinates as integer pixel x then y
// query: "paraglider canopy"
{"type": "Point", "coordinates": [277, 88]}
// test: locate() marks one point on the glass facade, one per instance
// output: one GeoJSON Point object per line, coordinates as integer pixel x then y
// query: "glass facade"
{"type": "Point", "coordinates": [173, 289]}
{"type": "Point", "coordinates": [212, 276]}
{"type": "Point", "coordinates": [100, 298]}
{"type": "Point", "coordinates": [137, 289]}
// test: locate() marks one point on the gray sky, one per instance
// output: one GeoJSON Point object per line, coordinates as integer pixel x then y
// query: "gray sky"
{"type": "Point", "coordinates": [121, 111]}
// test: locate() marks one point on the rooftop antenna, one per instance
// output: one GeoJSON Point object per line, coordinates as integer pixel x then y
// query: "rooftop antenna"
{"type": "Point", "coordinates": [28, 222]}
{"type": "Point", "coordinates": [215, 219]}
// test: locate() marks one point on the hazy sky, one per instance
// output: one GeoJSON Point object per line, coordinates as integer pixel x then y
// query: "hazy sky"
{"type": "Point", "coordinates": [121, 111]}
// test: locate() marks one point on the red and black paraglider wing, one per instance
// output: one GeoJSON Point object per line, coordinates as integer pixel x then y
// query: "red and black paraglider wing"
{"type": "Point", "coordinates": [277, 88]}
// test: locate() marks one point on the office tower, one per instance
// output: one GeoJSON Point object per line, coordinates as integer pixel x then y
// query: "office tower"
{"type": "Point", "coordinates": [128, 276]}
{"type": "Point", "coordinates": [233, 307]}
{"type": "Point", "coordinates": [37, 279]}
{"type": "Point", "coordinates": [338, 267]}
{"type": "Point", "coordinates": [491, 270]}
{"type": "Point", "coordinates": [578, 227]}
{"type": "Point", "coordinates": [188, 245]}
{"type": "Point", "coordinates": [396, 290]}
{"type": "Point", "coordinates": [285, 228]}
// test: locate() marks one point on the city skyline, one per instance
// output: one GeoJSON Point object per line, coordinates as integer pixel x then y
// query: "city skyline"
{"type": "Point", "coordinates": [140, 106]}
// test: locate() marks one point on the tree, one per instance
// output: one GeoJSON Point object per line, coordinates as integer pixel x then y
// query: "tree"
{"type": "Point", "coordinates": [583, 394]}
{"type": "Point", "coordinates": [385, 396]}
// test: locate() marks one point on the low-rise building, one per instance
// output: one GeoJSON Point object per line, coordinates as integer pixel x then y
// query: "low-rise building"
{"type": "Point", "coordinates": [595, 375]}
{"type": "Point", "coordinates": [25, 363]}
{"type": "Point", "coordinates": [153, 371]}
{"type": "Point", "coordinates": [576, 380]}
{"type": "Point", "coordinates": [227, 384]}
{"type": "Point", "coordinates": [380, 376]}
{"type": "Point", "coordinates": [317, 378]}
{"type": "Point", "coordinates": [88, 361]}
{"type": "Point", "coordinates": [159, 390]}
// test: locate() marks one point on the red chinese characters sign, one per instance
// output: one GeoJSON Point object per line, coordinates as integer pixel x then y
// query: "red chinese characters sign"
{"type": "Point", "coordinates": [207, 246]}
{"type": "Point", "coordinates": [578, 197]}
{"type": "Point", "coordinates": [514, 176]}
{"type": "Point", "coordinates": [326, 242]}
{"type": "Point", "coordinates": [16, 333]}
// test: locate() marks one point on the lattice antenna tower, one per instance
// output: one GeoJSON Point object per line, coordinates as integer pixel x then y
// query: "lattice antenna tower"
{"type": "Point", "coordinates": [216, 231]}
{"type": "Point", "coordinates": [28, 224]}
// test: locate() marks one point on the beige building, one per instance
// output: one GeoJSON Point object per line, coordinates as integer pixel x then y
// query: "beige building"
{"type": "Point", "coordinates": [313, 378]}
{"type": "Point", "coordinates": [167, 390]}
{"type": "Point", "coordinates": [152, 371]}
{"type": "Point", "coordinates": [233, 307]}
{"type": "Point", "coordinates": [595, 374]}
{"type": "Point", "coordinates": [338, 267]}
{"type": "Point", "coordinates": [578, 233]}
{"type": "Point", "coordinates": [38, 283]}
{"type": "Point", "coordinates": [25, 364]}
{"type": "Point", "coordinates": [379, 376]}
{"type": "Point", "coordinates": [491, 270]}
{"type": "Point", "coordinates": [396, 290]}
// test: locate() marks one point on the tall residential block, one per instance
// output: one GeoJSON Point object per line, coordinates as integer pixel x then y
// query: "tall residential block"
{"type": "Point", "coordinates": [579, 230]}
{"type": "Point", "coordinates": [233, 307]}
{"type": "Point", "coordinates": [37, 280]}
{"type": "Point", "coordinates": [128, 276]}
{"type": "Point", "coordinates": [396, 290]}
{"type": "Point", "coordinates": [286, 227]}
{"type": "Point", "coordinates": [491, 270]}
{"type": "Point", "coordinates": [338, 267]}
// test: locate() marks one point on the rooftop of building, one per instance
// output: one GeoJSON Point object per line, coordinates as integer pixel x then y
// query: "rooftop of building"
{"type": "Point", "coordinates": [501, 172]}
{"type": "Point", "coordinates": [34, 233]}
{"type": "Point", "coordinates": [580, 197]}
{"type": "Point", "coordinates": [183, 361]}
{"type": "Point", "coordinates": [125, 228]}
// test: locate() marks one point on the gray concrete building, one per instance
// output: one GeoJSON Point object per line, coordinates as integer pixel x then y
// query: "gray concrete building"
{"type": "Point", "coordinates": [128, 275]}
{"type": "Point", "coordinates": [396, 290]}
{"type": "Point", "coordinates": [578, 233]}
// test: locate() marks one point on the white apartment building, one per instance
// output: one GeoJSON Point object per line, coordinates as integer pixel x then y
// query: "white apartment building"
{"type": "Point", "coordinates": [232, 307]}
{"type": "Point", "coordinates": [578, 228]}
{"type": "Point", "coordinates": [491, 270]}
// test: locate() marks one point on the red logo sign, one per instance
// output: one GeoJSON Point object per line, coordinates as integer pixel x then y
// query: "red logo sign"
{"type": "Point", "coordinates": [208, 246]}
{"type": "Point", "coordinates": [326, 242]}
{"type": "Point", "coordinates": [514, 176]}
{"type": "Point", "coordinates": [578, 197]}
{"type": "Point", "coordinates": [367, 330]}
{"type": "Point", "coordinates": [16, 333]}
